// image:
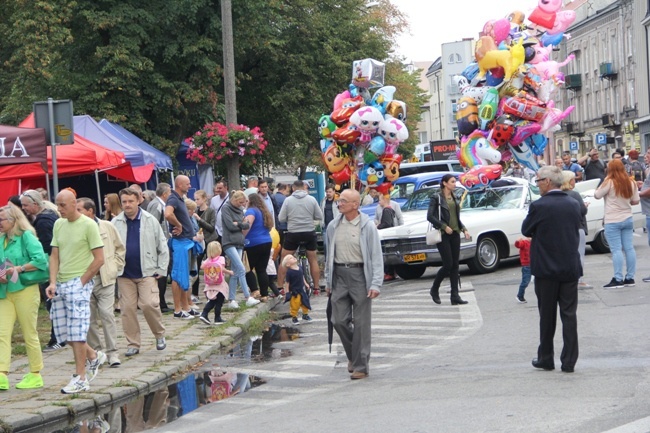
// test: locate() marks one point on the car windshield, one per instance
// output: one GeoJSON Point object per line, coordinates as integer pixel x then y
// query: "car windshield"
{"type": "Point", "coordinates": [403, 190]}
{"type": "Point", "coordinates": [421, 198]}
{"type": "Point", "coordinates": [507, 197]}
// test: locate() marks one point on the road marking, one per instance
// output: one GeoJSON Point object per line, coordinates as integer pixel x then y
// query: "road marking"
{"type": "Point", "coordinates": [639, 426]}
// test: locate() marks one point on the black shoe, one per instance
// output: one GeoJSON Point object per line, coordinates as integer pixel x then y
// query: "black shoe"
{"type": "Point", "coordinates": [458, 301]}
{"type": "Point", "coordinates": [435, 296]}
{"type": "Point", "coordinates": [629, 282]}
{"type": "Point", "coordinates": [567, 369]}
{"type": "Point", "coordinates": [614, 284]}
{"type": "Point", "coordinates": [165, 310]}
{"type": "Point", "coordinates": [548, 366]}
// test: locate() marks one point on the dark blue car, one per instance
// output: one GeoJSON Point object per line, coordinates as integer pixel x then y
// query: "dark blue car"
{"type": "Point", "coordinates": [405, 186]}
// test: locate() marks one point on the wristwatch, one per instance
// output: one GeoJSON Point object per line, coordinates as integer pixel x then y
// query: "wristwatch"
{"type": "Point", "coordinates": [22, 269]}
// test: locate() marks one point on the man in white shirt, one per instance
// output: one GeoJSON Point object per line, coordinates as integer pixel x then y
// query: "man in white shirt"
{"type": "Point", "coordinates": [220, 197]}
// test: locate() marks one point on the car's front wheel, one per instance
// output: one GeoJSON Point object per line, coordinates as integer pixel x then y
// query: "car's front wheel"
{"type": "Point", "coordinates": [487, 257]}
{"type": "Point", "coordinates": [410, 272]}
{"type": "Point", "coordinates": [599, 244]}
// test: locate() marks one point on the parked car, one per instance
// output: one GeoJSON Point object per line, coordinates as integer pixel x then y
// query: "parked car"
{"type": "Point", "coordinates": [405, 186]}
{"type": "Point", "coordinates": [493, 216]}
{"type": "Point", "coordinates": [408, 168]}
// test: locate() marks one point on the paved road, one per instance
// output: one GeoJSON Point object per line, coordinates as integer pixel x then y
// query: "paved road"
{"type": "Point", "coordinates": [458, 368]}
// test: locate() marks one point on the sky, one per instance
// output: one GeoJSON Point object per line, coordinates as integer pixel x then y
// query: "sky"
{"type": "Point", "coordinates": [434, 23]}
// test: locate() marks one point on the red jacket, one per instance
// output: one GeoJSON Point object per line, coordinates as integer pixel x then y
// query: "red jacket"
{"type": "Point", "coordinates": [524, 251]}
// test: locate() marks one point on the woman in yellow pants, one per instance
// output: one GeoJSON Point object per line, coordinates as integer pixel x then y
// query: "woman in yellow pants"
{"type": "Point", "coordinates": [20, 254]}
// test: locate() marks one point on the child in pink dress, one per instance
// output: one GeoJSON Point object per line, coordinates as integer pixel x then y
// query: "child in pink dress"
{"type": "Point", "coordinates": [216, 288]}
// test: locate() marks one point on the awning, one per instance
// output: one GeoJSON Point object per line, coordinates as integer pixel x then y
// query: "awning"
{"type": "Point", "coordinates": [159, 158]}
{"type": "Point", "coordinates": [22, 146]}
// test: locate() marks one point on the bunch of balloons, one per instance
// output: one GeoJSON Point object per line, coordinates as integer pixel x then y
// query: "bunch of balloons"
{"type": "Point", "coordinates": [507, 102]}
{"type": "Point", "coordinates": [360, 137]}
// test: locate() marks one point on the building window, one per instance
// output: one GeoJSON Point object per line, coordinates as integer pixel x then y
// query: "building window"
{"type": "Point", "coordinates": [422, 136]}
{"type": "Point", "coordinates": [454, 58]}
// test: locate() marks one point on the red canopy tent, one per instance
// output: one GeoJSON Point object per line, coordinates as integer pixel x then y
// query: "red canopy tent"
{"type": "Point", "coordinates": [81, 157]}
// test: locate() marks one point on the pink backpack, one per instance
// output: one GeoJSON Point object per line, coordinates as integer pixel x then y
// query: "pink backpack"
{"type": "Point", "coordinates": [213, 271]}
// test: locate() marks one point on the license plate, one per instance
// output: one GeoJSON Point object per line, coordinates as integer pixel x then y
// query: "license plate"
{"type": "Point", "coordinates": [408, 258]}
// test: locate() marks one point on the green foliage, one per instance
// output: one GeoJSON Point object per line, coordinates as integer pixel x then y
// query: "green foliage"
{"type": "Point", "coordinates": [155, 67]}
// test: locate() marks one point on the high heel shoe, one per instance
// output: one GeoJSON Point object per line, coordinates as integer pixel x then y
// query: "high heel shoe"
{"type": "Point", "coordinates": [458, 301]}
{"type": "Point", "coordinates": [435, 296]}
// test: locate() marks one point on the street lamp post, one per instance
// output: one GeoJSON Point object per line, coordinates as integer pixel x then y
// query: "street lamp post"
{"type": "Point", "coordinates": [229, 85]}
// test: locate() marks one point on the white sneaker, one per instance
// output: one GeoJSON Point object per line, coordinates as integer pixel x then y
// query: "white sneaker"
{"type": "Point", "coordinates": [196, 300]}
{"type": "Point", "coordinates": [233, 304]}
{"type": "Point", "coordinates": [252, 301]}
{"type": "Point", "coordinates": [92, 367]}
{"type": "Point", "coordinates": [76, 385]}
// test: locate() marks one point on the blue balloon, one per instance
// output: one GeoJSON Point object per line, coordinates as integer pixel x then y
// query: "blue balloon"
{"type": "Point", "coordinates": [554, 40]}
{"type": "Point", "coordinates": [376, 148]}
{"type": "Point", "coordinates": [537, 143]}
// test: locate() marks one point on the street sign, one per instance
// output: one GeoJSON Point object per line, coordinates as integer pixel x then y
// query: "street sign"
{"type": "Point", "coordinates": [573, 146]}
{"type": "Point", "coordinates": [601, 138]}
{"type": "Point", "coordinates": [61, 128]}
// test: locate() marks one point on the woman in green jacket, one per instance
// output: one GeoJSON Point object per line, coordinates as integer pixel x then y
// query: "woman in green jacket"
{"type": "Point", "coordinates": [20, 254]}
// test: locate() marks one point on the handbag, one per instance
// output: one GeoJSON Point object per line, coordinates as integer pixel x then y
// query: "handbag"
{"type": "Point", "coordinates": [244, 260]}
{"type": "Point", "coordinates": [434, 236]}
{"type": "Point", "coordinates": [36, 276]}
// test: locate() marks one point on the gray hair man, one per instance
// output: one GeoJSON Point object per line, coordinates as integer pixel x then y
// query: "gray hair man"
{"type": "Point", "coordinates": [354, 270]}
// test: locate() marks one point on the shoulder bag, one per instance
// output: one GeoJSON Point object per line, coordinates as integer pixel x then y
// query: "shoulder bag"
{"type": "Point", "coordinates": [434, 236]}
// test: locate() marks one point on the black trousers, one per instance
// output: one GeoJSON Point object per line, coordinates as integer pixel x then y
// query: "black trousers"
{"type": "Point", "coordinates": [215, 304]}
{"type": "Point", "coordinates": [449, 249]}
{"type": "Point", "coordinates": [550, 295]}
{"type": "Point", "coordinates": [258, 259]}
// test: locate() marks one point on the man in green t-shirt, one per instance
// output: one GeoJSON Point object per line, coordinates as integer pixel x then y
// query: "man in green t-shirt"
{"type": "Point", "coordinates": [77, 254]}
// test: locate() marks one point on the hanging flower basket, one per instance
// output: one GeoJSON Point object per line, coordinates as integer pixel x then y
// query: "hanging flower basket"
{"type": "Point", "coordinates": [216, 143]}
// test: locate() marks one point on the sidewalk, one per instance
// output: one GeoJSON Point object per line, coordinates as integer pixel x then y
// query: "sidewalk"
{"type": "Point", "coordinates": [188, 343]}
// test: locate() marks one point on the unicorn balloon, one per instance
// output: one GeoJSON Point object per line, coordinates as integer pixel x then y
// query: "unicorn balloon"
{"type": "Point", "coordinates": [476, 149]}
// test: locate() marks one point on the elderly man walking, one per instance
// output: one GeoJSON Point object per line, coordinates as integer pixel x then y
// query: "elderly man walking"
{"type": "Point", "coordinates": [147, 257]}
{"type": "Point", "coordinates": [77, 254]}
{"type": "Point", "coordinates": [103, 296]}
{"type": "Point", "coordinates": [354, 270]}
{"type": "Point", "coordinates": [553, 222]}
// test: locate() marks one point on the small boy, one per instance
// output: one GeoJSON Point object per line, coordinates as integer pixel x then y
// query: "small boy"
{"type": "Point", "coordinates": [297, 296]}
{"type": "Point", "coordinates": [524, 257]}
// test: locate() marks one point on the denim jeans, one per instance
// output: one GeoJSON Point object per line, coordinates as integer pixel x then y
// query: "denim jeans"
{"type": "Point", "coordinates": [236, 265]}
{"type": "Point", "coordinates": [619, 238]}
{"type": "Point", "coordinates": [525, 281]}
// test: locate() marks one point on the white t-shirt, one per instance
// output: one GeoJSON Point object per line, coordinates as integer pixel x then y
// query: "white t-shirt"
{"type": "Point", "coordinates": [216, 203]}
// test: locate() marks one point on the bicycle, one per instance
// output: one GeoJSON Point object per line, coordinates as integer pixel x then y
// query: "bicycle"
{"type": "Point", "coordinates": [303, 261]}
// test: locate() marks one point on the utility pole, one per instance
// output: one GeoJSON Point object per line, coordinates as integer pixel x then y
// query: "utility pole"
{"type": "Point", "coordinates": [229, 85]}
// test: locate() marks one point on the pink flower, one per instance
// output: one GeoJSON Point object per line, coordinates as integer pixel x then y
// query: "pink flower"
{"type": "Point", "coordinates": [211, 155]}
{"type": "Point", "coordinates": [219, 157]}
{"type": "Point", "coordinates": [209, 143]}
{"type": "Point", "coordinates": [223, 144]}
{"type": "Point", "coordinates": [252, 151]}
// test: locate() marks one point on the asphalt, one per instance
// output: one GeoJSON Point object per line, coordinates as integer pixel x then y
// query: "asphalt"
{"type": "Point", "coordinates": [188, 344]}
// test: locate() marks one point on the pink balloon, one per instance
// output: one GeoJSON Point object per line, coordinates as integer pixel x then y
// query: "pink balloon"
{"type": "Point", "coordinates": [500, 29]}
{"type": "Point", "coordinates": [339, 99]}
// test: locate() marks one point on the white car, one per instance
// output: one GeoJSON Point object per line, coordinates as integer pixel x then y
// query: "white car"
{"type": "Point", "coordinates": [493, 216]}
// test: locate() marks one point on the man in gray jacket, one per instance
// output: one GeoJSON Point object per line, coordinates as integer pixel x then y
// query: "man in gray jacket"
{"type": "Point", "coordinates": [354, 271]}
{"type": "Point", "coordinates": [299, 211]}
{"type": "Point", "coordinates": [147, 257]}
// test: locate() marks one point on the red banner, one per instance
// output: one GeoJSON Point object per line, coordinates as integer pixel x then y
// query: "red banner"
{"type": "Point", "coordinates": [22, 145]}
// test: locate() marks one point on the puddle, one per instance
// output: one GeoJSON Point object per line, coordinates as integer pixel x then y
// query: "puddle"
{"type": "Point", "coordinates": [216, 379]}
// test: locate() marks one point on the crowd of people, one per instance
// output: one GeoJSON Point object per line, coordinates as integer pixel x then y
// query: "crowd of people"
{"type": "Point", "coordinates": [85, 268]}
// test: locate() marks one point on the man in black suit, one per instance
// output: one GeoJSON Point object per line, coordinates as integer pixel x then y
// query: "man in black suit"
{"type": "Point", "coordinates": [552, 223]}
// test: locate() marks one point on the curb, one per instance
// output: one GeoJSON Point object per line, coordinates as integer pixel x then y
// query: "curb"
{"type": "Point", "coordinates": [47, 408]}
